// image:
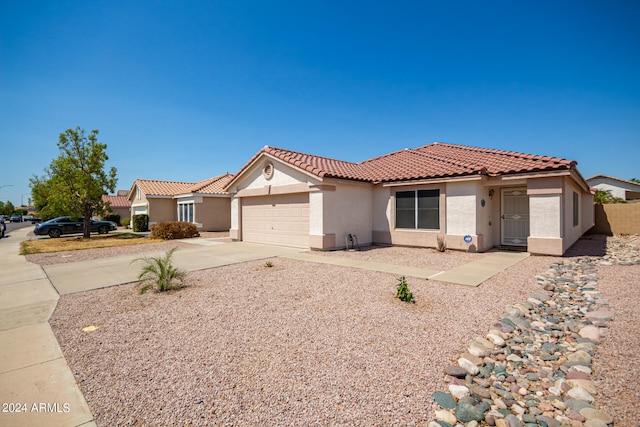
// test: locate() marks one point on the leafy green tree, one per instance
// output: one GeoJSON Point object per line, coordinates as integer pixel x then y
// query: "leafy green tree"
{"type": "Point", "coordinates": [76, 180]}
{"type": "Point", "coordinates": [7, 208]}
{"type": "Point", "coordinates": [635, 180]}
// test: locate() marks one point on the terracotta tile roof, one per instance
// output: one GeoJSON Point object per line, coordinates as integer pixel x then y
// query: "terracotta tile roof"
{"type": "Point", "coordinates": [152, 187]}
{"type": "Point", "coordinates": [319, 166]}
{"type": "Point", "coordinates": [437, 160]}
{"type": "Point", "coordinates": [116, 201]}
{"type": "Point", "coordinates": [213, 185]}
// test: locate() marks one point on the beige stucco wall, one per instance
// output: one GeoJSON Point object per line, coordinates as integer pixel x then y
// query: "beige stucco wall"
{"type": "Point", "coordinates": [461, 208]}
{"type": "Point", "coordinates": [347, 210]}
{"type": "Point", "coordinates": [282, 175]}
{"type": "Point", "coordinates": [162, 210]}
{"type": "Point", "coordinates": [551, 205]}
{"type": "Point", "coordinates": [214, 213]}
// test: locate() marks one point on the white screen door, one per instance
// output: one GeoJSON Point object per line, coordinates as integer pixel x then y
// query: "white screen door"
{"type": "Point", "coordinates": [515, 216]}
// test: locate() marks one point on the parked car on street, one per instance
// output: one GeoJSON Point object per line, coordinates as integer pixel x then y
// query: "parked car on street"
{"type": "Point", "coordinates": [16, 218]}
{"type": "Point", "coordinates": [3, 227]}
{"type": "Point", "coordinates": [71, 225]}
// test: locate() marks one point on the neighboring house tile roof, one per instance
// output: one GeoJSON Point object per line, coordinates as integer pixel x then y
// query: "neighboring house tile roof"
{"type": "Point", "coordinates": [437, 160]}
{"type": "Point", "coordinates": [152, 187]}
{"type": "Point", "coordinates": [213, 185]}
{"type": "Point", "coordinates": [116, 201]}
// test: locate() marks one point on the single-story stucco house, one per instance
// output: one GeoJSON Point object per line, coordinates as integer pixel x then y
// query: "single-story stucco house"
{"type": "Point", "coordinates": [203, 203]}
{"type": "Point", "coordinates": [411, 197]}
{"type": "Point", "coordinates": [620, 188]}
{"type": "Point", "coordinates": [119, 203]}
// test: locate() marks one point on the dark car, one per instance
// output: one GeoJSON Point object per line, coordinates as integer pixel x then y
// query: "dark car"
{"type": "Point", "coordinates": [71, 225]}
{"type": "Point", "coordinates": [16, 218]}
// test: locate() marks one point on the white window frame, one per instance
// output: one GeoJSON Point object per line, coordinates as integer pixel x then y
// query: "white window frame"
{"type": "Point", "coordinates": [188, 209]}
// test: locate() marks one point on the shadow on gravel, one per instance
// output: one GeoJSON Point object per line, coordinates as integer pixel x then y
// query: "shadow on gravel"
{"type": "Point", "coordinates": [588, 245]}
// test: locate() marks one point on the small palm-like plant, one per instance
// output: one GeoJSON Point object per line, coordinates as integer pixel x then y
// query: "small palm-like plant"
{"type": "Point", "coordinates": [161, 272]}
{"type": "Point", "coordinates": [442, 244]}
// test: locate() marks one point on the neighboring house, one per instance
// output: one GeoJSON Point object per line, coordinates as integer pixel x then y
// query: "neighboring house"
{"type": "Point", "coordinates": [119, 203]}
{"type": "Point", "coordinates": [411, 197]}
{"type": "Point", "coordinates": [203, 203]}
{"type": "Point", "coordinates": [620, 188]}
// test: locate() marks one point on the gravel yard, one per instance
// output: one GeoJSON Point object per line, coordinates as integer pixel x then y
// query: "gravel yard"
{"type": "Point", "coordinates": [306, 344]}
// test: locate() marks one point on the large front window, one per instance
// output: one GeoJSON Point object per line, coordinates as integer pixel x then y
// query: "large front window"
{"type": "Point", "coordinates": [418, 209]}
{"type": "Point", "coordinates": [185, 212]}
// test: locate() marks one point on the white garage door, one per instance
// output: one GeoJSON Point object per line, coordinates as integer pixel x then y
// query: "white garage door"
{"type": "Point", "coordinates": [278, 220]}
{"type": "Point", "coordinates": [140, 210]}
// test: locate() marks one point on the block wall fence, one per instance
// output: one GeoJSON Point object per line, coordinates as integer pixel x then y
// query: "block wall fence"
{"type": "Point", "coordinates": [617, 218]}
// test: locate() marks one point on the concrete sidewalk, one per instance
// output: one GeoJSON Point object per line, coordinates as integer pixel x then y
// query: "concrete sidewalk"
{"type": "Point", "coordinates": [35, 380]}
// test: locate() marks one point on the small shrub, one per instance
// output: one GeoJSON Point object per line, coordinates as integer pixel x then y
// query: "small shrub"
{"type": "Point", "coordinates": [403, 290]}
{"type": "Point", "coordinates": [140, 222]}
{"type": "Point", "coordinates": [161, 272]}
{"type": "Point", "coordinates": [126, 222]}
{"type": "Point", "coordinates": [173, 230]}
{"type": "Point", "coordinates": [268, 264]}
{"type": "Point", "coordinates": [442, 245]}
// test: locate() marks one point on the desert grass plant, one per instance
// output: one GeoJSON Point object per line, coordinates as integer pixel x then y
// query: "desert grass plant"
{"type": "Point", "coordinates": [161, 272]}
{"type": "Point", "coordinates": [268, 264]}
{"type": "Point", "coordinates": [441, 244]}
{"type": "Point", "coordinates": [403, 290]}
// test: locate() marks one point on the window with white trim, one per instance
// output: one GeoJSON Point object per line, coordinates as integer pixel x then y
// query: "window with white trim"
{"type": "Point", "coordinates": [185, 212]}
{"type": "Point", "coordinates": [418, 209]}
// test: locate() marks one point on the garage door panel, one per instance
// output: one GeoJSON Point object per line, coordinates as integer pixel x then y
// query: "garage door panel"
{"type": "Point", "coordinates": [280, 220]}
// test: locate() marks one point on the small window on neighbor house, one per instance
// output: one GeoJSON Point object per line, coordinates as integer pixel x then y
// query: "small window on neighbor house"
{"type": "Point", "coordinates": [418, 209]}
{"type": "Point", "coordinates": [576, 209]}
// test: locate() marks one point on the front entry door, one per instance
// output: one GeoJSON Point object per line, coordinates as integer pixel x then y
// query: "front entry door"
{"type": "Point", "coordinates": [515, 216]}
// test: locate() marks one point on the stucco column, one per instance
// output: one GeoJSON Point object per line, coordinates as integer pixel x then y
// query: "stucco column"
{"type": "Point", "coordinates": [234, 231]}
{"type": "Point", "coordinates": [545, 223]}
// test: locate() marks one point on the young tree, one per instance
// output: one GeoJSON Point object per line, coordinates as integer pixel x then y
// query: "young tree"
{"type": "Point", "coordinates": [75, 181]}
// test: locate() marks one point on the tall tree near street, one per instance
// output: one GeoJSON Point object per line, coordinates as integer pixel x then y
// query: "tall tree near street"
{"type": "Point", "coordinates": [76, 180]}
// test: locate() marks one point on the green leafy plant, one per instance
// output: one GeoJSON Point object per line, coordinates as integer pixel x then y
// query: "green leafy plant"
{"type": "Point", "coordinates": [268, 264]}
{"type": "Point", "coordinates": [403, 290]}
{"type": "Point", "coordinates": [173, 230]}
{"type": "Point", "coordinates": [140, 222]}
{"type": "Point", "coordinates": [126, 222]}
{"type": "Point", "coordinates": [442, 245]}
{"type": "Point", "coordinates": [161, 272]}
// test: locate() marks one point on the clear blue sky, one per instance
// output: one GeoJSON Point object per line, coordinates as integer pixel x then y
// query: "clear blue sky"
{"type": "Point", "coordinates": [188, 90]}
